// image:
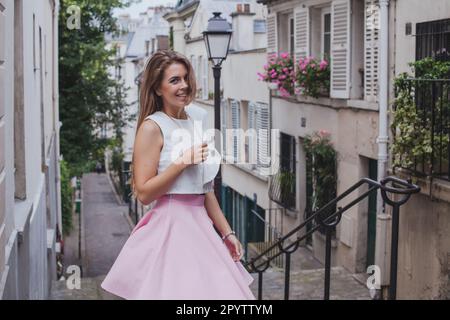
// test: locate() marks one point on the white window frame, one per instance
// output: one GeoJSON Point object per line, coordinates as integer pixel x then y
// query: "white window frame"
{"type": "Point", "coordinates": [324, 12]}
{"type": "Point", "coordinates": [291, 34]}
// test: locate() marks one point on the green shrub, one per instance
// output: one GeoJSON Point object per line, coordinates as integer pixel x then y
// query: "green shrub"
{"type": "Point", "coordinates": [66, 198]}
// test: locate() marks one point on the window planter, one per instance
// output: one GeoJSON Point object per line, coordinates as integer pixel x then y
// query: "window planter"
{"type": "Point", "coordinates": [279, 71]}
{"type": "Point", "coordinates": [313, 77]}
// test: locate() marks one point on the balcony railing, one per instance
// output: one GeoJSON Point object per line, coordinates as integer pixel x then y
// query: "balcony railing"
{"type": "Point", "coordinates": [431, 100]}
{"type": "Point", "coordinates": [282, 189]}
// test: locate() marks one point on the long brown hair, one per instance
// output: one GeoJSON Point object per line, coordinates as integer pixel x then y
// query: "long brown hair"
{"type": "Point", "coordinates": [149, 101]}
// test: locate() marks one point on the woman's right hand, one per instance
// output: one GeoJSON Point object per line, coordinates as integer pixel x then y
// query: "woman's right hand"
{"type": "Point", "coordinates": [194, 155]}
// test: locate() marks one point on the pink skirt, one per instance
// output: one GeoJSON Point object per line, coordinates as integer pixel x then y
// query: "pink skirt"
{"type": "Point", "coordinates": [174, 252]}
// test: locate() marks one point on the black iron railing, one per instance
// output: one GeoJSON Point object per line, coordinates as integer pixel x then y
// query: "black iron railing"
{"type": "Point", "coordinates": [263, 231]}
{"type": "Point", "coordinates": [282, 188]}
{"type": "Point", "coordinates": [389, 187]}
{"type": "Point", "coordinates": [431, 100]}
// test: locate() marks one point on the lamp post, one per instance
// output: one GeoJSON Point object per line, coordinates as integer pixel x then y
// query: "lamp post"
{"type": "Point", "coordinates": [217, 40]}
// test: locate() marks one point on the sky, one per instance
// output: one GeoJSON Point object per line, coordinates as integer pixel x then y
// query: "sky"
{"type": "Point", "coordinates": [142, 5]}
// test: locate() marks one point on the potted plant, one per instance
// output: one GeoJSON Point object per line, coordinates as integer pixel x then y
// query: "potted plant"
{"type": "Point", "coordinates": [415, 138]}
{"type": "Point", "coordinates": [313, 77]}
{"type": "Point", "coordinates": [322, 158]}
{"type": "Point", "coordinates": [279, 74]}
{"type": "Point", "coordinates": [286, 180]}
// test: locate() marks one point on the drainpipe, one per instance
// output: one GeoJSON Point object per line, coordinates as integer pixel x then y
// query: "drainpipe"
{"type": "Point", "coordinates": [382, 248]}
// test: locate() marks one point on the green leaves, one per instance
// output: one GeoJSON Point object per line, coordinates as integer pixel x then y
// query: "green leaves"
{"type": "Point", "coordinates": [412, 126]}
{"type": "Point", "coordinates": [322, 158]}
{"type": "Point", "coordinates": [89, 98]}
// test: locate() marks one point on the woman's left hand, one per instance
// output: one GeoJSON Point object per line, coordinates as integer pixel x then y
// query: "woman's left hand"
{"type": "Point", "coordinates": [234, 247]}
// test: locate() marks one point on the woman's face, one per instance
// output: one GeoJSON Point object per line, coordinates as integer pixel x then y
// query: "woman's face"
{"type": "Point", "coordinates": [174, 86]}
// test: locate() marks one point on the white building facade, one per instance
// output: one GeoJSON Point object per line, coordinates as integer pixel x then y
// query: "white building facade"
{"type": "Point", "coordinates": [30, 202]}
{"type": "Point", "coordinates": [245, 100]}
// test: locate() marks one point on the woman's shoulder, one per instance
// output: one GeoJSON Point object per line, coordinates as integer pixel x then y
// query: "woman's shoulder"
{"type": "Point", "coordinates": [150, 128]}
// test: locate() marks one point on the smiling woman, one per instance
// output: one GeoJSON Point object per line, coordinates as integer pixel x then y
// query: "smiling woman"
{"type": "Point", "coordinates": [174, 252]}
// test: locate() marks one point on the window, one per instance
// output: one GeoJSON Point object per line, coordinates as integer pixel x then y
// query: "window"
{"type": "Point", "coordinates": [287, 153]}
{"type": "Point", "coordinates": [20, 190]}
{"type": "Point", "coordinates": [284, 39]}
{"type": "Point", "coordinates": [236, 125]}
{"type": "Point", "coordinates": [326, 33]}
{"type": "Point", "coordinates": [291, 36]}
{"type": "Point", "coordinates": [34, 43]}
{"type": "Point", "coordinates": [259, 26]}
{"type": "Point", "coordinates": [433, 40]}
{"type": "Point", "coordinates": [288, 170]}
{"type": "Point", "coordinates": [282, 187]}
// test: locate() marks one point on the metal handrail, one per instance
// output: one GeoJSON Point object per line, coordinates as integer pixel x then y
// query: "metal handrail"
{"type": "Point", "coordinates": [273, 233]}
{"type": "Point", "coordinates": [406, 190]}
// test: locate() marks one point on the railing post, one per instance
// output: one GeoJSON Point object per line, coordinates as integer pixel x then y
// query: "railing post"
{"type": "Point", "coordinates": [260, 279]}
{"type": "Point", "coordinates": [287, 273]}
{"type": "Point", "coordinates": [405, 192]}
{"type": "Point", "coordinates": [394, 252]}
{"type": "Point", "coordinates": [326, 295]}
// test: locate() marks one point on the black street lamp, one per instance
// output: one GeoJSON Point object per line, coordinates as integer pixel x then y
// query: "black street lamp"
{"type": "Point", "coordinates": [217, 40]}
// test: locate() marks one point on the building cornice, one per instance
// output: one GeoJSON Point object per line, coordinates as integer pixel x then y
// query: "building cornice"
{"type": "Point", "coordinates": [182, 12]}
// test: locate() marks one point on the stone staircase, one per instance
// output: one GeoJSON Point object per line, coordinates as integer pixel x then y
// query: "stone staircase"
{"type": "Point", "coordinates": [309, 284]}
{"type": "Point", "coordinates": [307, 280]}
{"type": "Point", "coordinates": [89, 290]}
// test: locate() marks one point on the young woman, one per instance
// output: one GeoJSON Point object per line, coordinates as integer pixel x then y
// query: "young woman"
{"type": "Point", "coordinates": [174, 252]}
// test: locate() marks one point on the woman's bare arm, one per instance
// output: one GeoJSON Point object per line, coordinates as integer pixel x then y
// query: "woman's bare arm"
{"type": "Point", "coordinates": [150, 184]}
{"type": "Point", "coordinates": [215, 213]}
{"type": "Point", "coordinates": [147, 150]}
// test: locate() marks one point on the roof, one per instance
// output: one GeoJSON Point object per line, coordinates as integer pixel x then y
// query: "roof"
{"type": "Point", "coordinates": [157, 27]}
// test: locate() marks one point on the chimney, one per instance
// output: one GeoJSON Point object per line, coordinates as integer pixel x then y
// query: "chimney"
{"type": "Point", "coordinates": [242, 22]}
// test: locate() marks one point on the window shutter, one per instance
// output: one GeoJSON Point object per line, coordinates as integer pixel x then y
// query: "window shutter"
{"type": "Point", "coordinates": [205, 88]}
{"type": "Point", "coordinates": [371, 49]}
{"type": "Point", "coordinates": [272, 39]}
{"type": "Point", "coordinates": [301, 38]}
{"type": "Point", "coordinates": [262, 128]}
{"type": "Point", "coordinates": [235, 118]}
{"type": "Point", "coordinates": [199, 75]}
{"type": "Point", "coordinates": [252, 143]}
{"type": "Point", "coordinates": [340, 49]}
{"type": "Point", "coordinates": [223, 120]}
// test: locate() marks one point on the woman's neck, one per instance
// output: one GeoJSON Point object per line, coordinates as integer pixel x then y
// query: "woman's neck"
{"type": "Point", "coordinates": [180, 114]}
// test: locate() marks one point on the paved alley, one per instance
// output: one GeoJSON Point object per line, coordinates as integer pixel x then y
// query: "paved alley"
{"type": "Point", "coordinates": [103, 231]}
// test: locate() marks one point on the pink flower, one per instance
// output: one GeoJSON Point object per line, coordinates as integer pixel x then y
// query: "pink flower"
{"type": "Point", "coordinates": [324, 133]}
{"type": "Point", "coordinates": [323, 65]}
{"type": "Point", "coordinates": [284, 55]}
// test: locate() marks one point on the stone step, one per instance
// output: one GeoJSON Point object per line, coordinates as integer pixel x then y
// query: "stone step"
{"type": "Point", "coordinates": [89, 290]}
{"type": "Point", "coordinates": [309, 285]}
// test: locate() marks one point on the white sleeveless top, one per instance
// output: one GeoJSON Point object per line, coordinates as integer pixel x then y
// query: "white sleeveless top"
{"type": "Point", "coordinates": [179, 135]}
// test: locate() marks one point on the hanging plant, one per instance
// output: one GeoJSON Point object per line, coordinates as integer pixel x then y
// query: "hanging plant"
{"type": "Point", "coordinates": [279, 71]}
{"type": "Point", "coordinates": [313, 77]}
{"type": "Point", "coordinates": [323, 157]}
